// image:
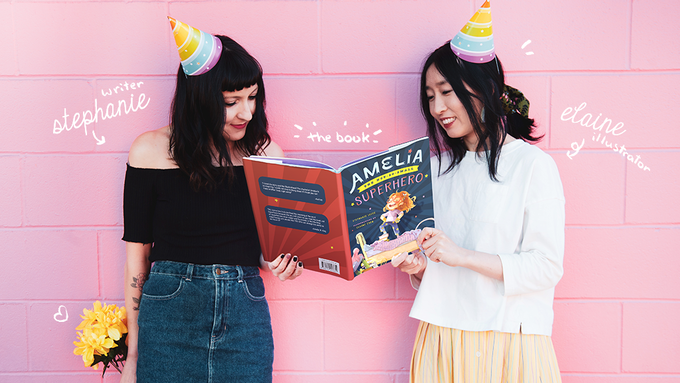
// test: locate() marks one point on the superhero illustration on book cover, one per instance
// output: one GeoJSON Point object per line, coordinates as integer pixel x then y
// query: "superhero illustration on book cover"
{"type": "Point", "coordinates": [398, 204]}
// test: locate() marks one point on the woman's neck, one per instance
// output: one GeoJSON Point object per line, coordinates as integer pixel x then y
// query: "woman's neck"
{"type": "Point", "coordinates": [473, 145]}
{"type": "Point", "coordinates": [236, 155]}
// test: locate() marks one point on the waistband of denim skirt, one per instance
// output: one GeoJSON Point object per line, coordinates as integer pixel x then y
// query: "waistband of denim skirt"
{"type": "Point", "coordinates": [190, 270]}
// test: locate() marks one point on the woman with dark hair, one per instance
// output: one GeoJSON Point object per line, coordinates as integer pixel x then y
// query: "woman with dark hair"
{"type": "Point", "coordinates": [487, 277]}
{"type": "Point", "coordinates": [199, 314]}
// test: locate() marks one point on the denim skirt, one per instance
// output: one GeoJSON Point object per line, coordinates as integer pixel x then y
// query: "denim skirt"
{"type": "Point", "coordinates": [204, 323]}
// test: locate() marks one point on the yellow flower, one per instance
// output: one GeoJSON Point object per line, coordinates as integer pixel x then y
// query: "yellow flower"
{"type": "Point", "coordinates": [84, 349]}
{"type": "Point", "coordinates": [113, 321]}
{"type": "Point", "coordinates": [100, 328]}
{"type": "Point", "coordinates": [107, 320]}
{"type": "Point", "coordinates": [89, 316]}
{"type": "Point", "coordinates": [90, 344]}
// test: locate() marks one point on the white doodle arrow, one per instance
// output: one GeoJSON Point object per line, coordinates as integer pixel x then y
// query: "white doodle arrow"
{"type": "Point", "coordinates": [99, 142]}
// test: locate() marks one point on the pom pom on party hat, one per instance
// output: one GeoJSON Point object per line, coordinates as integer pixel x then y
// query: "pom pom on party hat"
{"type": "Point", "coordinates": [474, 43]}
{"type": "Point", "coordinates": [198, 50]}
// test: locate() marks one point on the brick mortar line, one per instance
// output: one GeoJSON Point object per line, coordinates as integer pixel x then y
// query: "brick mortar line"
{"type": "Point", "coordinates": [665, 225]}
{"type": "Point", "coordinates": [344, 75]}
{"type": "Point", "coordinates": [551, 150]}
{"type": "Point", "coordinates": [618, 300]}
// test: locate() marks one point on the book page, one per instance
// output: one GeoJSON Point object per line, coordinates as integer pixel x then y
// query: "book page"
{"type": "Point", "coordinates": [299, 210]}
{"type": "Point", "coordinates": [293, 162]}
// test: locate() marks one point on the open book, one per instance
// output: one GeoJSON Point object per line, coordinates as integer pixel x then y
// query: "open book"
{"type": "Point", "coordinates": [377, 204]}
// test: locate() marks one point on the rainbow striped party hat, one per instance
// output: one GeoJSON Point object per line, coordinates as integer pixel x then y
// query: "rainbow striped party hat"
{"type": "Point", "coordinates": [474, 43]}
{"type": "Point", "coordinates": [198, 50]}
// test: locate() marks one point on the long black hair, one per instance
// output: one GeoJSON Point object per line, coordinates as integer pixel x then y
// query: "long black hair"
{"type": "Point", "coordinates": [198, 117]}
{"type": "Point", "coordinates": [487, 82]}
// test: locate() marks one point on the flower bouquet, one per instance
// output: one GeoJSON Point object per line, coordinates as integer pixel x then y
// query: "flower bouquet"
{"type": "Point", "coordinates": [103, 337]}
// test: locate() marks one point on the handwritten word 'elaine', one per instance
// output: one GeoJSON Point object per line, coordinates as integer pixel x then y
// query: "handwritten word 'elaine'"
{"type": "Point", "coordinates": [602, 138]}
{"type": "Point", "coordinates": [585, 120]}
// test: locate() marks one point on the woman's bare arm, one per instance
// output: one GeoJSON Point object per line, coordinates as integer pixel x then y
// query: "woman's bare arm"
{"type": "Point", "coordinates": [137, 268]}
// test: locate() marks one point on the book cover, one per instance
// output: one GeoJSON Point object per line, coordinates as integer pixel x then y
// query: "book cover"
{"type": "Point", "coordinates": [372, 208]}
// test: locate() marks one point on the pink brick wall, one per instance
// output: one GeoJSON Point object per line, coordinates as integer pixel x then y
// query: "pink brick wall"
{"type": "Point", "coordinates": [341, 68]}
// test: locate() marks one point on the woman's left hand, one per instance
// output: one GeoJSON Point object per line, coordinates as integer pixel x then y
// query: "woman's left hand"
{"type": "Point", "coordinates": [286, 267]}
{"type": "Point", "coordinates": [440, 248]}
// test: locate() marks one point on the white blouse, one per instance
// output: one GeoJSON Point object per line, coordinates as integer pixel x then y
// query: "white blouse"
{"type": "Point", "coordinates": [520, 218]}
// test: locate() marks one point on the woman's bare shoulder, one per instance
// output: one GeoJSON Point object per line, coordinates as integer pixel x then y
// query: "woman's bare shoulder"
{"type": "Point", "coordinates": [151, 150]}
{"type": "Point", "coordinates": [272, 150]}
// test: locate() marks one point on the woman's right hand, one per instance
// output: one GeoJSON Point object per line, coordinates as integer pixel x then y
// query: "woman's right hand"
{"type": "Point", "coordinates": [411, 263]}
{"type": "Point", "coordinates": [285, 267]}
{"type": "Point", "coordinates": [129, 374]}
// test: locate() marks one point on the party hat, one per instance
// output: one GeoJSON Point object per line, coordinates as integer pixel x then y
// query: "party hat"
{"type": "Point", "coordinates": [198, 50]}
{"type": "Point", "coordinates": [474, 43]}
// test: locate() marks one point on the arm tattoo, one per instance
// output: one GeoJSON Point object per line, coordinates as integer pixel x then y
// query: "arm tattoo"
{"type": "Point", "coordinates": [138, 283]}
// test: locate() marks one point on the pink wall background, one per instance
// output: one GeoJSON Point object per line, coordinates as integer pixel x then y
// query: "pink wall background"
{"type": "Point", "coordinates": [342, 68]}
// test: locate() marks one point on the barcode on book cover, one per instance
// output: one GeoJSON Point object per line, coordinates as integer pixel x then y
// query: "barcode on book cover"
{"type": "Point", "coordinates": [327, 265]}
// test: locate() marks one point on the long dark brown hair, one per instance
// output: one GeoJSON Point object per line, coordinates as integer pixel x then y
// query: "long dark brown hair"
{"type": "Point", "coordinates": [198, 117]}
{"type": "Point", "coordinates": [487, 82]}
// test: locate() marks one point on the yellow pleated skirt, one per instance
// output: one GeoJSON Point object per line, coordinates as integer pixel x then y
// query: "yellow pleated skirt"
{"type": "Point", "coordinates": [445, 355]}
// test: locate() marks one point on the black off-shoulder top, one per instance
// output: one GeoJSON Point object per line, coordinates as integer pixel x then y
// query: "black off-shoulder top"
{"type": "Point", "coordinates": [204, 227]}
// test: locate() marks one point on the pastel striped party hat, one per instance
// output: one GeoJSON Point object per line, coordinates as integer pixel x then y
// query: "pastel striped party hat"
{"type": "Point", "coordinates": [198, 50]}
{"type": "Point", "coordinates": [474, 43]}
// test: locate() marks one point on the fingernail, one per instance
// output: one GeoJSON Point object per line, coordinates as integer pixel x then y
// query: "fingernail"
{"type": "Point", "coordinates": [282, 255]}
{"type": "Point", "coordinates": [299, 264]}
{"type": "Point", "coordinates": [295, 258]}
{"type": "Point", "coordinates": [288, 256]}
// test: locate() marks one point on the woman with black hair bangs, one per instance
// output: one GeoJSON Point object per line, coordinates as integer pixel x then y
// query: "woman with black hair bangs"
{"type": "Point", "coordinates": [486, 275]}
{"type": "Point", "coordinates": [198, 142]}
{"type": "Point", "coordinates": [196, 305]}
{"type": "Point", "coordinates": [474, 84]}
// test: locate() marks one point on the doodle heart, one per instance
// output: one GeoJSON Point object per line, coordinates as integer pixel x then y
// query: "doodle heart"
{"type": "Point", "coordinates": [61, 315]}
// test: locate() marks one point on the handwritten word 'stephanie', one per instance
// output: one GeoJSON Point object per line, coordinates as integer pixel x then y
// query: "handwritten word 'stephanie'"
{"type": "Point", "coordinates": [111, 110]}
